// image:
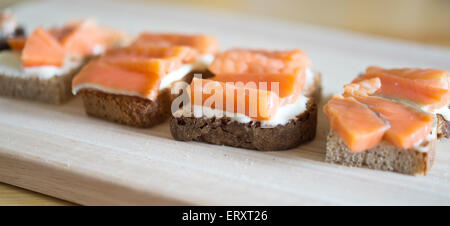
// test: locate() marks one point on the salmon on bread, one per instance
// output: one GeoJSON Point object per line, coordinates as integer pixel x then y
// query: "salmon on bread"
{"type": "Point", "coordinates": [48, 59]}
{"type": "Point", "coordinates": [132, 85]}
{"type": "Point", "coordinates": [402, 99]}
{"type": "Point", "coordinates": [135, 72]}
{"type": "Point", "coordinates": [258, 100]}
{"type": "Point", "coordinates": [359, 127]}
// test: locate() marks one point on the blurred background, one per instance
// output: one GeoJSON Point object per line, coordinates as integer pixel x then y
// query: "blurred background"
{"type": "Point", "coordinates": [421, 21]}
{"type": "Point", "coordinates": [424, 21]}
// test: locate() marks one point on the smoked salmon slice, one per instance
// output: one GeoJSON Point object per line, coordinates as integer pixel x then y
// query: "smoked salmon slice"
{"type": "Point", "coordinates": [41, 48]}
{"type": "Point", "coordinates": [286, 68]}
{"type": "Point", "coordinates": [17, 43]}
{"type": "Point", "coordinates": [117, 80]}
{"type": "Point", "coordinates": [363, 87]}
{"type": "Point", "coordinates": [423, 86]}
{"type": "Point", "coordinates": [254, 103]}
{"type": "Point", "coordinates": [181, 53]}
{"type": "Point", "coordinates": [62, 32]}
{"type": "Point", "coordinates": [358, 126]}
{"type": "Point", "coordinates": [149, 59]}
{"type": "Point", "coordinates": [141, 64]}
{"type": "Point", "coordinates": [240, 61]}
{"type": "Point", "coordinates": [82, 37]}
{"type": "Point", "coordinates": [443, 103]}
{"type": "Point", "coordinates": [407, 124]}
{"type": "Point", "coordinates": [205, 44]}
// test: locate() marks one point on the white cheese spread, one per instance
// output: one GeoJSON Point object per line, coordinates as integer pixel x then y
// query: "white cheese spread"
{"type": "Point", "coordinates": [11, 65]}
{"type": "Point", "coordinates": [283, 115]}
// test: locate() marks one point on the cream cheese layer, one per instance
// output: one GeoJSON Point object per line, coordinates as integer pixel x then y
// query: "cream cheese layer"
{"type": "Point", "coordinates": [11, 65]}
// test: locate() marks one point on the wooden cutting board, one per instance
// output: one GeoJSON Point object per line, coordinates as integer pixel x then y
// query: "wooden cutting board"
{"type": "Point", "coordinates": [59, 151]}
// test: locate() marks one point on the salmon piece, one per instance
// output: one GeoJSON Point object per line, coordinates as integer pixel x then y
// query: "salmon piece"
{"type": "Point", "coordinates": [17, 43]}
{"type": "Point", "coordinates": [242, 61]}
{"type": "Point", "coordinates": [358, 126]}
{"type": "Point", "coordinates": [246, 61]}
{"type": "Point", "coordinates": [205, 44]}
{"type": "Point", "coordinates": [287, 68]}
{"type": "Point", "coordinates": [116, 79]}
{"type": "Point", "coordinates": [254, 103]}
{"type": "Point", "coordinates": [148, 59]}
{"type": "Point", "coordinates": [444, 102]}
{"type": "Point", "coordinates": [363, 87]}
{"type": "Point", "coordinates": [81, 37]}
{"type": "Point", "coordinates": [141, 64]}
{"type": "Point", "coordinates": [408, 125]}
{"type": "Point", "coordinates": [181, 53]}
{"type": "Point", "coordinates": [41, 48]}
{"type": "Point", "coordinates": [62, 32]}
{"type": "Point", "coordinates": [423, 86]}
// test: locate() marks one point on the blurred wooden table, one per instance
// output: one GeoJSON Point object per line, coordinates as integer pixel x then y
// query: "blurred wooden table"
{"type": "Point", "coordinates": [422, 21]}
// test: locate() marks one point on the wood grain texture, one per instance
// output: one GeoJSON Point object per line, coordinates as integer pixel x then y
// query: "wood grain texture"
{"type": "Point", "coordinates": [59, 151]}
{"type": "Point", "coordinates": [15, 196]}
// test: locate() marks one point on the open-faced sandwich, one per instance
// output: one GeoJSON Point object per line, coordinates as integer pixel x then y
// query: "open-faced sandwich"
{"type": "Point", "coordinates": [389, 119]}
{"type": "Point", "coordinates": [256, 99]}
{"type": "Point", "coordinates": [132, 85]}
{"type": "Point", "coordinates": [41, 66]}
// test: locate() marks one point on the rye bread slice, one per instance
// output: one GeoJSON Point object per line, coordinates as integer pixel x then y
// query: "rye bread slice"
{"type": "Point", "coordinates": [55, 90]}
{"type": "Point", "coordinates": [127, 110]}
{"type": "Point", "coordinates": [385, 156]}
{"type": "Point", "coordinates": [131, 110]}
{"type": "Point", "coordinates": [224, 131]}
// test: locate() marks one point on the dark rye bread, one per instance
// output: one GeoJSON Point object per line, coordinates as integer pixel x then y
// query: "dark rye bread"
{"type": "Point", "coordinates": [131, 110]}
{"type": "Point", "coordinates": [443, 127]}
{"type": "Point", "coordinates": [128, 110]}
{"type": "Point", "coordinates": [385, 156]}
{"type": "Point", "coordinates": [55, 90]}
{"type": "Point", "coordinates": [224, 131]}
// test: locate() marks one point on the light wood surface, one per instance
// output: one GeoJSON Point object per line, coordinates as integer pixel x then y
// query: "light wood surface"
{"type": "Point", "coordinates": [88, 161]}
{"type": "Point", "coordinates": [92, 162]}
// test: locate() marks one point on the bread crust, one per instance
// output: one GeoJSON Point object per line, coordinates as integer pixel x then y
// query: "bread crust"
{"type": "Point", "coordinates": [127, 110]}
{"type": "Point", "coordinates": [55, 90]}
{"type": "Point", "coordinates": [385, 156]}
{"type": "Point", "coordinates": [443, 127]}
{"type": "Point", "coordinates": [224, 131]}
